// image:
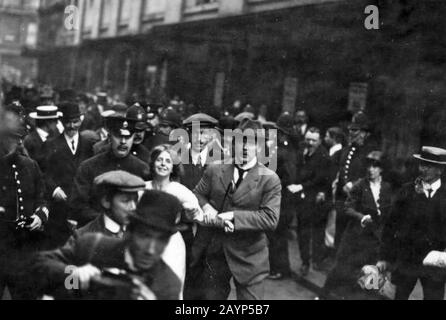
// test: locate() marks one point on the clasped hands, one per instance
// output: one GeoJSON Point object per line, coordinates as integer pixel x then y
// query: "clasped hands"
{"type": "Point", "coordinates": [223, 220]}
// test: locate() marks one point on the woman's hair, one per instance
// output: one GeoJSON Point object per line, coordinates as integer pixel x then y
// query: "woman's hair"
{"type": "Point", "coordinates": [177, 170]}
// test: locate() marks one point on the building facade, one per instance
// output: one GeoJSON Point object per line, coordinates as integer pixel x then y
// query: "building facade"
{"type": "Point", "coordinates": [287, 54]}
{"type": "Point", "coordinates": [18, 31]}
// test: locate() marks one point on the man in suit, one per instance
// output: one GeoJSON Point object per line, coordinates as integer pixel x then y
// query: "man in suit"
{"type": "Point", "coordinates": [352, 166]}
{"type": "Point", "coordinates": [245, 198]}
{"type": "Point", "coordinates": [64, 154]}
{"type": "Point", "coordinates": [310, 191]}
{"type": "Point", "coordinates": [417, 226]}
{"type": "Point", "coordinates": [117, 193]}
{"type": "Point", "coordinates": [199, 127]}
{"type": "Point", "coordinates": [141, 274]}
{"type": "Point", "coordinates": [23, 214]}
{"type": "Point", "coordinates": [300, 127]}
{"type": "Point", "coordinates": [46, 127]}
{"type": "Point", "coordinates": [117, 158]}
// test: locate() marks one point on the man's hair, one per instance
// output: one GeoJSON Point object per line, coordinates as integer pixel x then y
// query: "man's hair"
{"type": "Point", "coordinates": [336, 134]}
{"type": "Point", "coordinates": [314, 130]}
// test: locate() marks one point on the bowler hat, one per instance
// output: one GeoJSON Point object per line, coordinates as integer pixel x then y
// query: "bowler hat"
{"type": "Point", "coordinates": [70, 110]}
{"type": "Point", "coordinates": [158, 210]}
{"type": "Point", "coordinates": [46, 113]}
{"type": "Point", "coordinates": [432, 155]}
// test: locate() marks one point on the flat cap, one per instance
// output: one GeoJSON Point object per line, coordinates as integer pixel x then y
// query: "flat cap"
{"type": "Point", "coordinates": [204, 119]}
{"type": "Point", "coordinates": [120, 180]}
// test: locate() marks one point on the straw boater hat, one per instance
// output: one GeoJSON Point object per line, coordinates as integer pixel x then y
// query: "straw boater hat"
{"type": "Point", "coordinates": [432, 155]}
{"type": "Point", "coordinates": [46, 113]}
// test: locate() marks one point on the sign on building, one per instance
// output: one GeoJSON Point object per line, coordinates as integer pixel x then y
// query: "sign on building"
{"type": "Point", "coordinates": [357, 96]}
{"type": "Point", "coordinates": [289, 94]}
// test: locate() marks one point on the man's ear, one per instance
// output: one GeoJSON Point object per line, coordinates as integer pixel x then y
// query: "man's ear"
{"type": "Point", "coordinates": [105, 202]}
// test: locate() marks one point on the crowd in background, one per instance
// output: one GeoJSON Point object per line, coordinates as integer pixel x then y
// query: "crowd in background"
{"type": "Point", "coordinates": [336, 193]}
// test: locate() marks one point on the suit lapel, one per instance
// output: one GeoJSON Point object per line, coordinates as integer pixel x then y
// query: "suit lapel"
{"type": "Point", "coordinates": [227, 175]}
{"type": "Point", "coordinates": [249, 183]}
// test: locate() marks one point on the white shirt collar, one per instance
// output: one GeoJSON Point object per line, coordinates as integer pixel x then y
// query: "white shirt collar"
{"type": "Point", "coordinates": [434, 187]}
{"type": "Point", "coordinates": [42, 134]}
{"type": "Point", "coordinates": [246, 167]}
{"type": "Point", "coordinates": [335, 149]}
{"type": "Point", "coordinates": [251, 164]}
{"type": "Point", "coordinates": [203, 155]}
{"type": "Point", "coordinates": [75, 139]}
{"type": "Point", "coordinates": [129, 260]}
{"type": "Point", "coordinates": [111, 225]}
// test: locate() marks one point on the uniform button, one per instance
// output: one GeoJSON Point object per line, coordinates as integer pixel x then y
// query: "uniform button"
{"type": "Point", "coordinates": [21, 208]}
{"type": "Point", "coordinates": [20, 199]}
{"type": "Point", "coordinates": [348, 161]}
{"type": "Point", "coordinates": [285, 143]}
{"type": "Point", "coordinates": [14, 166]}
{"type": "Point", "coordinates": [19, 190]}
{"type": "Point", "coordinates": [18, 182]}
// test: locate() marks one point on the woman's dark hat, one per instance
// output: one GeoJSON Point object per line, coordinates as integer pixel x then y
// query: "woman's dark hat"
{"type": "Point", "coordinates": [432, 155]}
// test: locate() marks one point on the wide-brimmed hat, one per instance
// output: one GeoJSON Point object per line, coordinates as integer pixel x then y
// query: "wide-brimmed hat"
{"type": "Point", "coordinates": [432, 155]}
{"type": "Point", "coordinates": [158, 210]}
{"type": "Point", "coordinates": [46, 113]}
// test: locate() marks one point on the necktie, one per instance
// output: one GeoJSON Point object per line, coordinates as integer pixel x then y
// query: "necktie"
{"type": "Point", "coordinates": [199, 161]}
{"type": "Point", "coordinates": [241, 172]}
{"type": "Point", "coordinates": [72, 144]}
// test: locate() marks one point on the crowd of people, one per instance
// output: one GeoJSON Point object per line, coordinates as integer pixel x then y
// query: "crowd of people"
{"type": "Point", "coordinates": [98, 202]}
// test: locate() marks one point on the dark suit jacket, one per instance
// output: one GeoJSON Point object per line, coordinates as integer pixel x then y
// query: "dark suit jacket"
{"type": "Point", "coordinates": [34, 146]}
{"type": "Point", "coordinates": [83, 207]}
{"type": "Point", "coordinates": [312, 172]}
{"type": "Point", "coordinates": [416, 226]}
{"type": "Point", "coordinates": [256, 206]}
{"type": "Point", "coordinates": [361, 203]}
{"type": "Point", "coordinates": [102, 252]}
{"type": "Point", "coordinates": [61, 165]}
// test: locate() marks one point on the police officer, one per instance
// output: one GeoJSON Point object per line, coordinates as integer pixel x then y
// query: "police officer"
{"type": "Point", "coordinates": [118, 157]}
{"type": "Point", "coordinates": [353, 166]}
{"type": "Point", "coordinates": [23, 214]}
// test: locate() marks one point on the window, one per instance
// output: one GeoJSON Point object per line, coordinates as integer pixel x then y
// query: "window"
{"type": "Point", "coordinates": [31, 35]}
{"type": "Point", "coordinates": [89, 14]}
{"type": "Point", "coordinates": [125, 11]}
{"type": "Point", "coordinates": [154, 6]}
{"type": "Point", "coordinates": [194, 3]}
{"type": "Point", "coordinates": [106, 13]}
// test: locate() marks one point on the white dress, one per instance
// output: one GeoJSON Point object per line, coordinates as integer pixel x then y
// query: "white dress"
{"type": "Point", "coordinates": [175, 252]}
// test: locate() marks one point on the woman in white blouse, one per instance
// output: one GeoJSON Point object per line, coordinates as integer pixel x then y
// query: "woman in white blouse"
{"type": "Point", "coordinates": [165, 169]}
